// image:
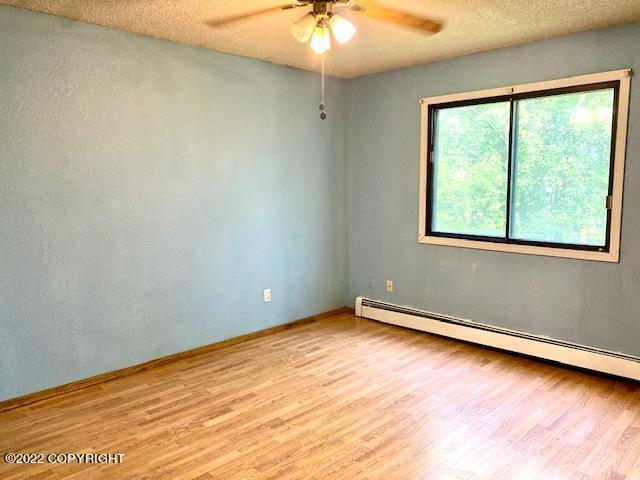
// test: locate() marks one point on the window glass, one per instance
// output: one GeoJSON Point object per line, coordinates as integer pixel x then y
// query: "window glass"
{"type": "Point", "coordinates": [470, 164]}
{"type": "Point", "coordinates": [561, 168]}
{"type": "Point", "coordinates": [539, 175]}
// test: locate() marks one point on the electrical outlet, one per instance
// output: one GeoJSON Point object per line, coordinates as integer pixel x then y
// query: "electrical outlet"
{"type": "Point", "coordinates": [389, 285]}
{"type": "Point", "coordinates": [266, 295]}
{"type": "Point", "coordinates": [371, 284]}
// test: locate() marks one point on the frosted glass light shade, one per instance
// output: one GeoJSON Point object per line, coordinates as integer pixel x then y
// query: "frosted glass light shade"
{"type": "Point", "coordinates": [303, 28]}
{"type": "Point", "coordinates": [343, 30]}
{"type": "Point", "coordinates": [320, 40]}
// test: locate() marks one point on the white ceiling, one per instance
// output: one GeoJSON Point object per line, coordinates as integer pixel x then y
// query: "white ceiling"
{"type": "Point", "coordinates": [470, 26]}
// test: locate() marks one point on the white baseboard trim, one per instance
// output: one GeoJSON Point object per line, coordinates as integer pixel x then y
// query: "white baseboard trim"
{"type": "Point", "coordinates": [582, 356]}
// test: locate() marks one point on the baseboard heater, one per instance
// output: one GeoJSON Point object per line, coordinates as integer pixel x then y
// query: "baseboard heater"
{"type": "Point", "coordinates": [582, 356]}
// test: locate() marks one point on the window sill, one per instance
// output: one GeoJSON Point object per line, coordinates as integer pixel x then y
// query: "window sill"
{"type": "Point", "coordinates": [611, 257]}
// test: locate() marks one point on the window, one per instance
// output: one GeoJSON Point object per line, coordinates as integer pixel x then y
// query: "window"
{"type": "Point", "coordinates": [531, 169]}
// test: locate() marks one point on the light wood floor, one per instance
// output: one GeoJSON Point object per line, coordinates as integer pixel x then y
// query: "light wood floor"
{"type": "Point", "coordinates": [343, 398]}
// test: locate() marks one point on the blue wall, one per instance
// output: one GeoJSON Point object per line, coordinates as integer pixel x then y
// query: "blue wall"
{"type": "Point", "coordinates": [149, 192]}
{"type": "Point", "coordinates": [586, 302]}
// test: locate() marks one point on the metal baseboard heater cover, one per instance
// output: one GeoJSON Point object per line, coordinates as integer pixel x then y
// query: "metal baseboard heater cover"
{"type": "Point", "coordinates": [582, 356]}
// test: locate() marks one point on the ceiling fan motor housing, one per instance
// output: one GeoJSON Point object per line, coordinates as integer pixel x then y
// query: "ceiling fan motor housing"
{"type": "Point", "coordinates": [322, 9]}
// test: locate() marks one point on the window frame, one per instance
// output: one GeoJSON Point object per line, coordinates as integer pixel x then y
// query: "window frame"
{"type": "Point", "coordinates": [619, 79]}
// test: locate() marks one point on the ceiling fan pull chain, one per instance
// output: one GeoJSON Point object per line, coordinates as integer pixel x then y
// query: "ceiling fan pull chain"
{"type": "Point", "coordinates": [323, 113]}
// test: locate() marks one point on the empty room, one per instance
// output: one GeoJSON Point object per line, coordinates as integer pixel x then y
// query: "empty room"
{"type": "Point", "coordinates": [322, 239]}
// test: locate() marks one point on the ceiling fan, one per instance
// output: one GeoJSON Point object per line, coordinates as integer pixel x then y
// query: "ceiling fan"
{"type": "Point", "coordinates": [321, 23]}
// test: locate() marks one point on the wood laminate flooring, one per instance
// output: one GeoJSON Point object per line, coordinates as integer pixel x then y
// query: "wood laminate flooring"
{"type": "Point", "coordinates": [341, 398]}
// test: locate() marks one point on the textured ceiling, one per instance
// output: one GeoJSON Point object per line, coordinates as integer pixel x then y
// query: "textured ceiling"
{"type": "Point", "coordinates": [470, 26]}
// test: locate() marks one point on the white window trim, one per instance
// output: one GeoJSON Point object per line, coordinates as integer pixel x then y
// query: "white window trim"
{"type": "Point", "coordinates": [613, 255]}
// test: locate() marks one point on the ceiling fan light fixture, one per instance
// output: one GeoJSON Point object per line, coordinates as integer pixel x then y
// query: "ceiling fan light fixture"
{"type": "Point", "coordinates": [343, 30]}
{"type": "Point", "coordinates": [321, 38]}
{"type": "Point", "coordinates": [304, 27]}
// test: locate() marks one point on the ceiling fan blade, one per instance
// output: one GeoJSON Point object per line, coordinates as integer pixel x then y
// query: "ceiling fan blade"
{"type": "Point", "coordinates": [246, 16]}
{"type": "Point", "coordinates": [356, 7]}
{"type": "Point", "coordinates": [373, 9]}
